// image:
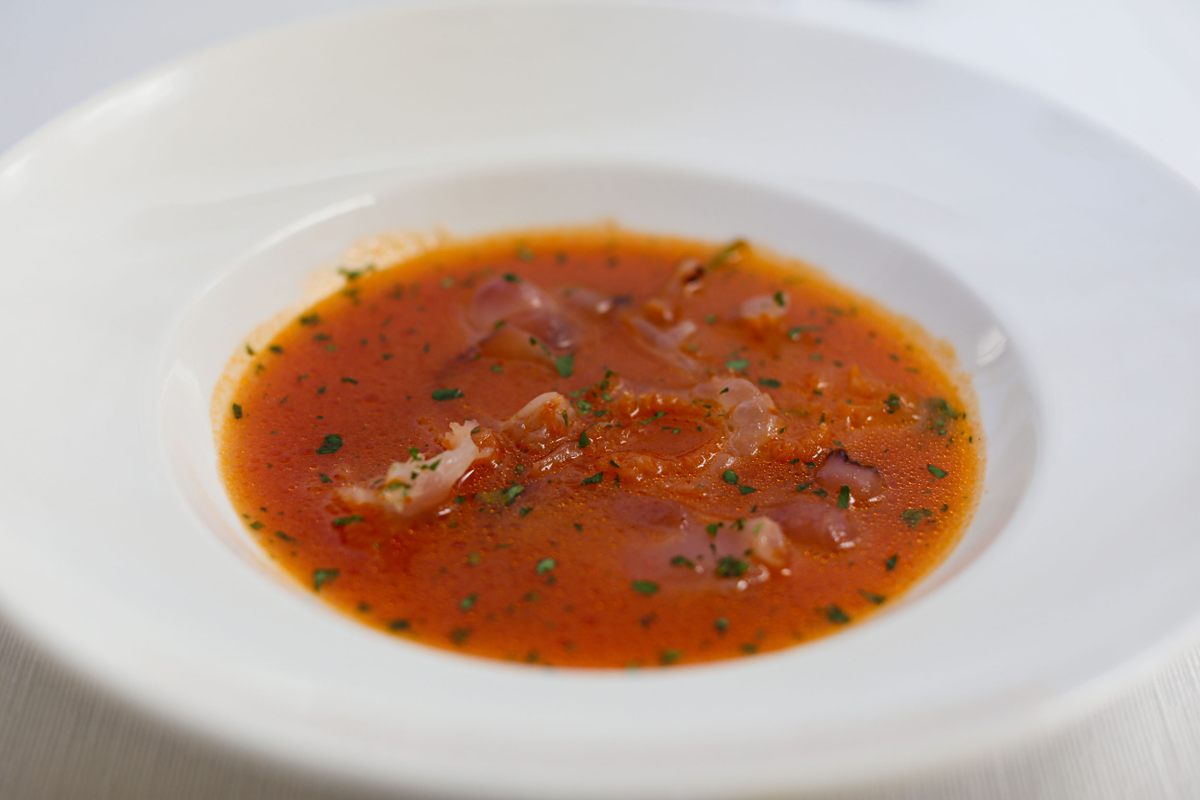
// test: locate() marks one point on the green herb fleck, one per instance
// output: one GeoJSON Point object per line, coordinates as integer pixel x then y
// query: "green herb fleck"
{"type": "Point", "coordinates": [399, 625]}
{"type": "Point", "coordinates": [512, 278]}
{"type": "Point", "coordinates": [342, 522]}
{"type": "Point", "coordinates": [511, 493]}
{"type": "Point", "coordinates": [446, 394]}
{"type": "Point", "coordinates": [565, 365]}
{"type": "Point", "coordinates": [914, 516]}
{"type": "Point", "coordinates": [890, 564]}
{"type": "Point", "coordinates": [737, 364]}
{"type": "Point", "coordinates": [669, 657]}
{"type": "Point", "coordinates": [871, 597]}
{"type": "Point", "coordinates": [941, 414]}
{"type": "Point", "coordinates": [310, 319]}
{"type": "Point", "coordinates": [744, 489]}
{"type": "Point", "coordinates": [545, 565]}
{"type": "Point", "coordinates": [324, 478]}
{"type": "Point", "coordinates": [731, 567]}
{"type": "Point", "coordinates": [593, 479]}
{"type": "Point", "coordinates": [834, 614]}
{"type": "Point", "coordinates": [721, 624]}
{"type": "Point", "coordinates": [237, 411]}
{"type": "Point", "coordinates": [729, 476]}
{"type": "Point", "coordinates": [682, 561]}
{"type": "Point", "coordinates": [770, 383]}
{"type": "Point", "coordinates": [468, 602]}
{"type": "Point", "coordinates": [936, 471]}
{"type": "Point", "coordinates": [323, 576]}
{"type": "Point", "coordinates": [460, 635]}
{"type": "Point", "coordinates": [892, 403]}
{"type": "Point", "coordinates": [780, 299]}
{"type": "Point", "coordinates": [584, 441]}
{"type": "Point", "coordinates": [800, 487]}
{"type": "Point", "coordinates": [331, 444]}
{"type": "Point", "coordinates": [644, 587]}
{"type": "Point", "coordinates": [727, 252]}
{"type": "Point", "coordinates": [843, 500]}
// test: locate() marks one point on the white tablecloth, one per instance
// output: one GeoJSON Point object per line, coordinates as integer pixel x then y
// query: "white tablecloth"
{"type": "Point", "coordinates": [1132, 65]}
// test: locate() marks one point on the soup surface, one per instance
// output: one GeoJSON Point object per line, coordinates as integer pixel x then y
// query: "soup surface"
{"type": "Point", "coordinates": [599, 448]}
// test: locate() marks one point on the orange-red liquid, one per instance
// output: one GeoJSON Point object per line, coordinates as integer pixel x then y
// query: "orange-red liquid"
{"type": "Point", "coordinates": [561, 572]}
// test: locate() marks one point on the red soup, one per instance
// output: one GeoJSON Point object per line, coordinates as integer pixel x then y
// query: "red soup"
{"type": "Point", "coordinates": [600, 449]}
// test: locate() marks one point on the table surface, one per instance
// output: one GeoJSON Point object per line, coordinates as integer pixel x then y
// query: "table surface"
{"type": "Point", "coordinates": [1130, 65]}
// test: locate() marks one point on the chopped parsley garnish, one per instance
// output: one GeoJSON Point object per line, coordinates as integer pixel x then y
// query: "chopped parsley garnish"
{"type": "Point", "coordinates": [780, 299]}
{"type": "Point", "coordinates": [446, 394]}
{"type": "Point", "coordinates": [565, 365]}
{"type": "Point", "coordinates": [834, 614]}
{"type": "Point", "coordinates": [721, 624]}
{"type": "Point", "coordinates": [744, 489]}
{"type": "Point", "coordinates": [342, 522]}
{"type": "Point", "coordinates": [770, 383]}
{"type": "Point", "coordinates": [331, 444]}
{"type": "Point", "coordinates": [324, 478]}
{"type": "Point", "coordinates": [843, 499]}
{"type": "Point", "coordinates": [323, 576]}
{"type": "Point", "coordinates": [593, 479]}
{"type": "Point", "coordinates": [644, 587]}
{"type": "Point", "coordinates": [914, 516]}
{"type": "Point", "coordinates": [511, 493]}
{"type": "Point", "coordinates": [941, 414]}
{"type": "Point", "coordinates": [871, 597]}
{"type": "Point", "coordinates": [890, 564]}
{"type": "Point", "coordinates": [669, 657]}
{"type": "Point", "coordinates": [545, 565]}
{"type": "Point", "coordinates": [399, 625]}
{"type": "Point", "coordinates": [682, 561]}
{"type": "Point", "coordinates": [310, 319]}
{"type": "Point", "coordinates": [729, 476]}
{"type": "Point", "coordinates": [800, 487]}
{"type": "Point", "coordinates": [524, 252]}
{"type": "Point", "coordinates": [460, 635]}
{"type": "Point", "coordinates": [731, 567]}
{"type": "Point", "coordinates": [584, 441]}
{"type": "Point", "coordinates": [713, 527]}
{"type": "Point", "coordinates": [468, 602]}
{"type": "Point", "coordinates": [892, 403]}
{"type": "Point", "coordinates": [727, 252]}
{"type": "Point", "coordinates": [512, 278]}
{"type": "Point", "coordinates": [936, 471]}
{"type": "Point", "coordinates": [237, 411]}
{"type": "Point", "coordinates": [738, 364]}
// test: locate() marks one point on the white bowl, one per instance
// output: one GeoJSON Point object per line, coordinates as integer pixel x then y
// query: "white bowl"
{"type": "Point", "coordinates": [142, 235]}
